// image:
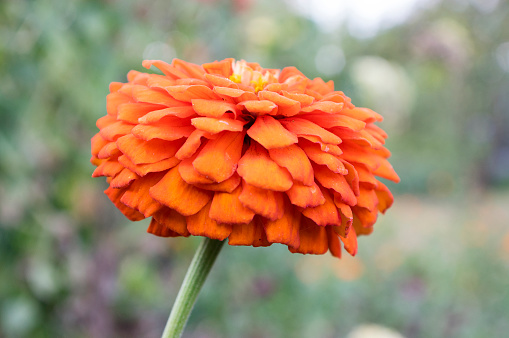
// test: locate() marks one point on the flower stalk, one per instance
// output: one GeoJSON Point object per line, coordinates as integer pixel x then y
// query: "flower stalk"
{"type": "Point", "coordinates": [201, 264]}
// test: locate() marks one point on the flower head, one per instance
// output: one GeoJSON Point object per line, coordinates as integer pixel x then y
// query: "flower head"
{"type": "Point", "coordinates": [231, 150]}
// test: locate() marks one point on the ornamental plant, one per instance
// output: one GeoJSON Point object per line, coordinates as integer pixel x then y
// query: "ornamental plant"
{"type": "Point", "coordinates": [230, 150]}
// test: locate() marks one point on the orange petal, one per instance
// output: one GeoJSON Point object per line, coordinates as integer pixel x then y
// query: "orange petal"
{"type": "Point", "coordinates": [366, 177]}
{"type": "Point", "coordinates": [175, 193]}
{"type": "Point", "coordinates": [366, 217]}
{"type": "Point", "coordinates": [110, 149]}
{"type": "Point", "coordinates": [191, 144]}
{"type": "Point", "coordinates": [166, 68]}
{"type": "Point", "coordinates": [325, 214]}
{"type": "Point", "coordinates": [259, 107]}
{"type": "Point", "coordinates": [346, 216]}
{"type": "Point", "coordinates": [161, 230]}
{"type": "Point", "coordinates": [164, 131]}
{"type": "Point", "coordinates": [320, 157]}
{"type": "Point", "coordinates": [97, 143]}
{"type": "Point", "coordinates": [367, 199]}
{"type": "Point", "coordinates": [363, 114]}
{"type": "Point", "coordinates": [286, 106]}
{"type": "Point", "coordinates": [159, 81]}
{"type": "Point", "coordinates": [305, 100]}
{"type": "Point", "coordinates": [114, 101]}
{"type": "Point", "coordinates": [192, 69]}
{"type": "Point", "coordinates": [286, 229]}
{"type": "Point", "coordinates": [333, 241]}
{"type": "Point", "coordinates": [326, 147]}
{"type": "Point", "coordinates": [226, 186]}
{"type": "Point", "coordinates": [116, 130]}
{"type": "Point", "coordinates": [156, 115]}
{"type": "Point", "coordinates": [131, 112]}
{"type": "Point", "coordinates": [306, 196]}
{"type": "Point", "coordinates": [140, 151]}
{"type": "Point", "coordinates": [336, 182]}
{"type": "Point", "coordinates": [266, 203]}
{"type": "Point", "coordinates": [188, 93]}
{"type": "Point", "coordinates": [144, 169]}
{"type": "Point", "coordinates": [238, 95]}
{"type": "Point", "coordinates": [313, 238]}
{"type": "Point", "coordinates": [147, 95]}
{"type": "Point", "coordinates": [200, 224]}
{"type": "Point", "coordinates": [336, 120]}
{"type": "Point", "coordinates": [270, 133]}
{"type": "Point", "coordinates": [172, 220]}
{"type": "Point", "coordinates": [327, 107]}
{"type": "Point", "coordinates": [137, 196]}
{"type": "Point", "coordinates": [216, 125]}
{"type": "Point", "coordinates": [189, 174]}
{"type": "Point", "coordinates": [289, 72]}
{"type": "Point", "coordinates": [385, 198]}
{"type": "Point", "coordinates": [105, 121]}
{"type": "Point", "coordinates": [386, 170]}
{"type": "Point", "coordinates": [213, 108]}
{"type": "Point", "coordinates": [251, 234]}
{"type": "Point", "coordinates": [115, 195]}
{"type": "Point", "coordinates": [294, 159]}
{"type": "Point", "coordinates": [304, 127]}
{"type": "Point", "coordinates": [123, 179]}
{"type": "Point", "coordinates": [108, 168]}
{"type": "Point", "coordinates": [226, 208]}
{"type": "Point", "coordinates": [354, 153]}
{"type": "Point", "coordinates": [350, 242]}
{"type": "Point", "coordinates": [257, 169]}
{"type": "Point", "coordinates": [352, 177]}
{"type": "Point", "coordinates": [219, 157]}
{"type": "Point", "coordinates": [223, 67]}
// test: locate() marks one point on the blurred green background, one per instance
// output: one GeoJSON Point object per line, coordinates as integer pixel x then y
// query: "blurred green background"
{"type": "Point", "coordinates": [437, 264]}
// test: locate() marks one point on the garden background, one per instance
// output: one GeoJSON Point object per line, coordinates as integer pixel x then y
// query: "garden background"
{"type": "Point", "coordinates": [437, 264]}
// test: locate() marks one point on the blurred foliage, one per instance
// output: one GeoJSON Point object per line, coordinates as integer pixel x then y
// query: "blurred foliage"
{"type": "Point", "coordinates": [438, 264]}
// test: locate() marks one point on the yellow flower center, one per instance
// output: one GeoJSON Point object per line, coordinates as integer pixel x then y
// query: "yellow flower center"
{"type": "Point", "coordinates": [242, 73]}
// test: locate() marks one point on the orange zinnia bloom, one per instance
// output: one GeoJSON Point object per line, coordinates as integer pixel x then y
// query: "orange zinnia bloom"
{"type": "Point", "coordinates": [231, 150]}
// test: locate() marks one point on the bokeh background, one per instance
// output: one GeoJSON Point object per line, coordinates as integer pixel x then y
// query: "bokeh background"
{"type": "Point", "coordinates": [437, 264]}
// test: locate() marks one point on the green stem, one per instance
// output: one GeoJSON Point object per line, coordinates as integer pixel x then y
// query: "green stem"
{"type": "Point", "coordinates": [196, 274]}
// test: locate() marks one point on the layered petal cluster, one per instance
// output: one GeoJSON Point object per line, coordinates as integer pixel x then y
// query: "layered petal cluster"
{"type": "Point", "coordinates": [231, 150]}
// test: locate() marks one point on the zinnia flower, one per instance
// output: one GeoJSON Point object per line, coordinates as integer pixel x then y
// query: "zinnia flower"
{"type": "Point", "coordinates": [231, 150]}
